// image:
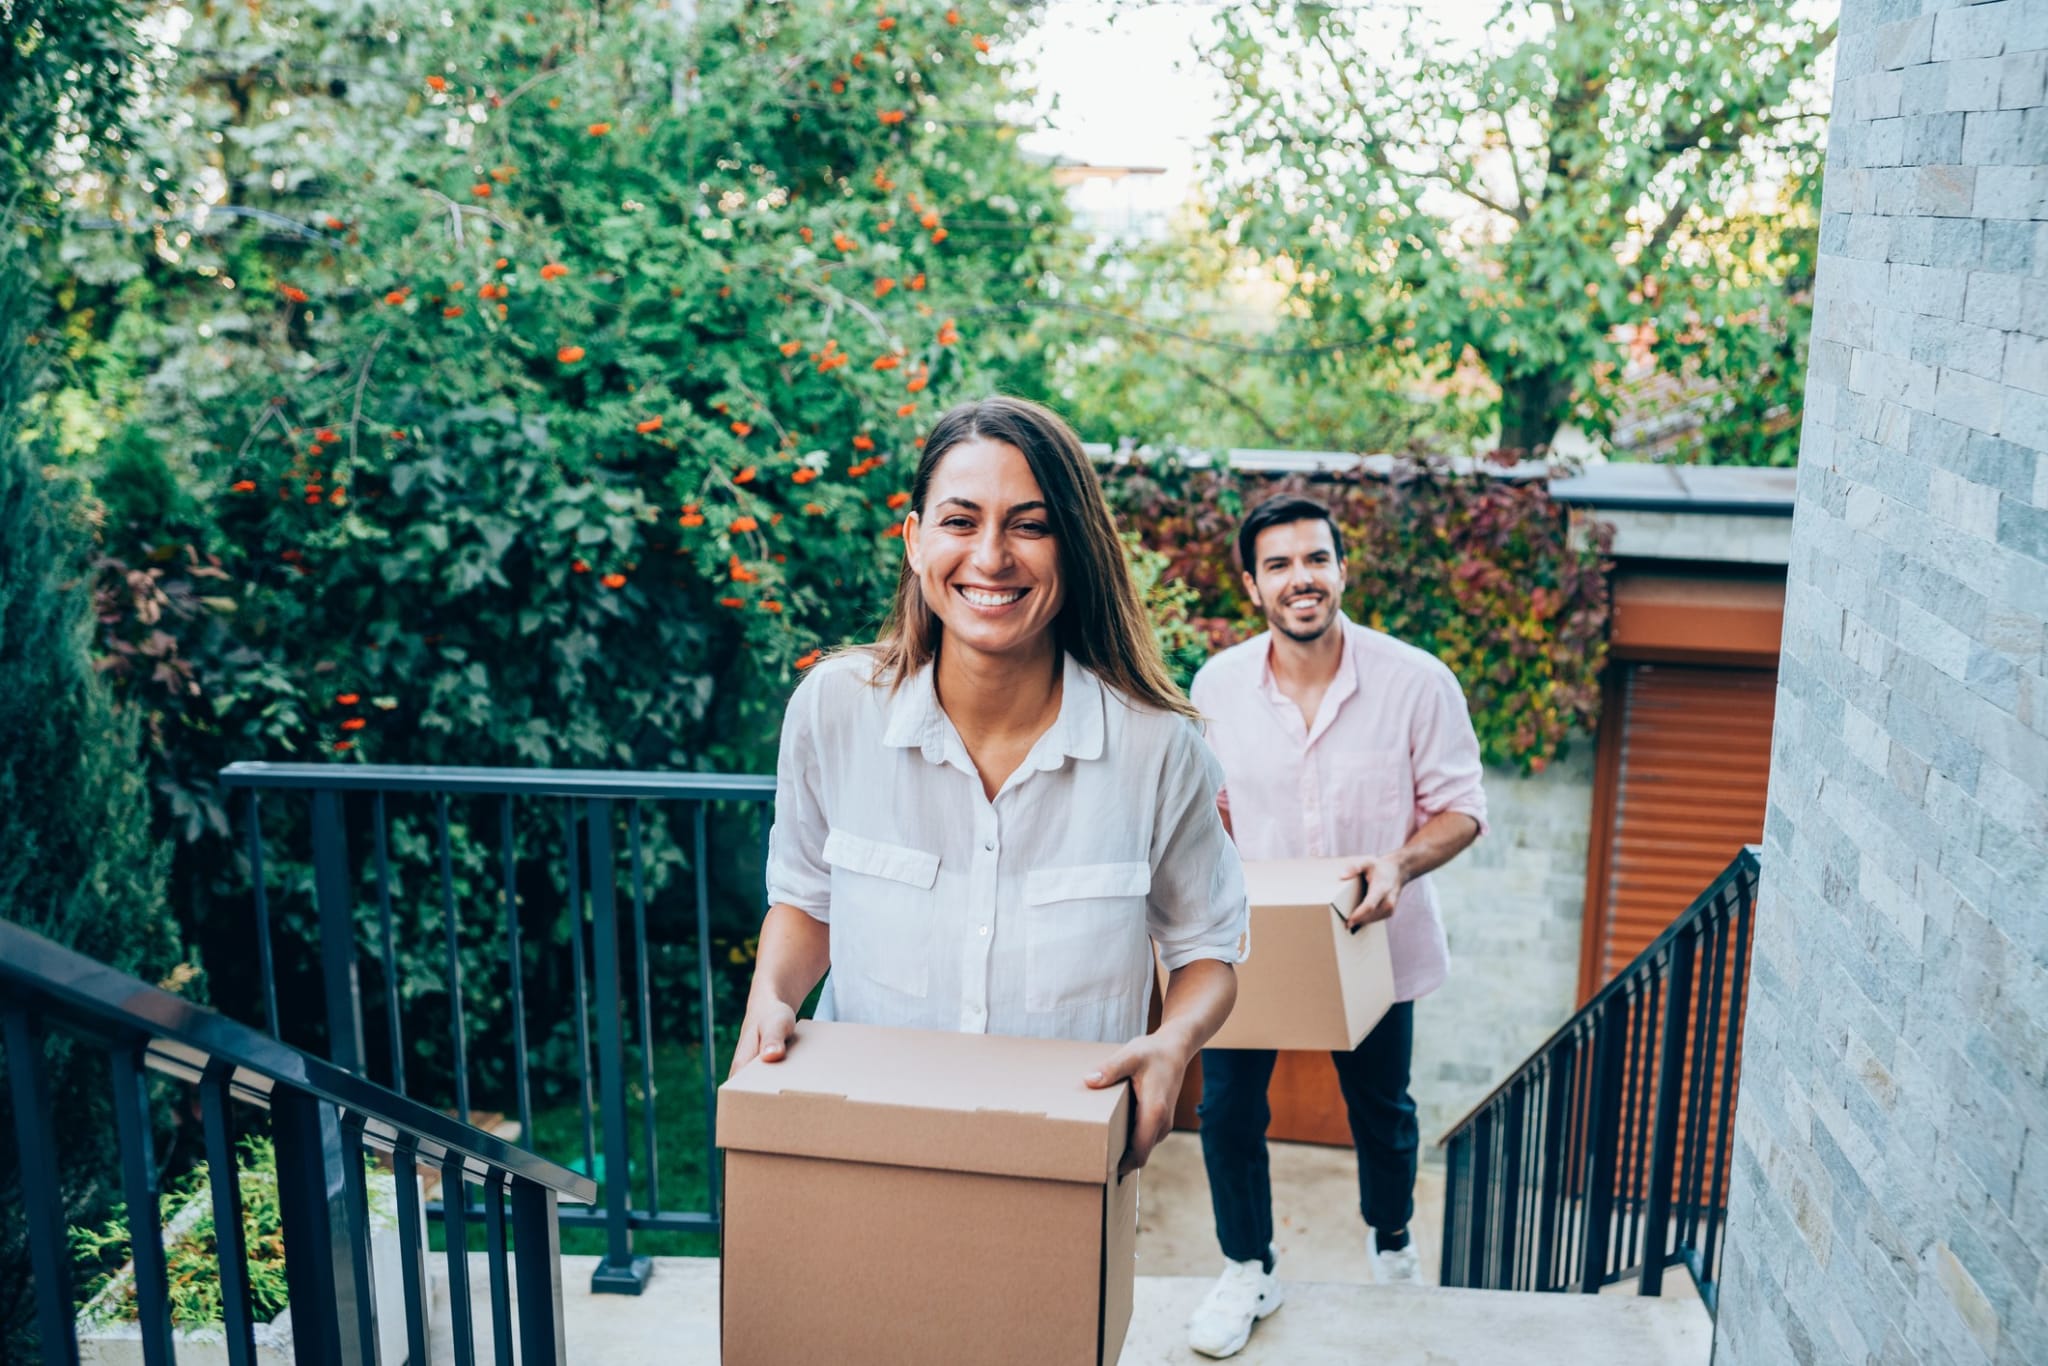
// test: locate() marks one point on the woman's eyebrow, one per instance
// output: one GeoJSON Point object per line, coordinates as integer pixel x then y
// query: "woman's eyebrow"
{"type": "Point", "coordinates": [1037, 505]}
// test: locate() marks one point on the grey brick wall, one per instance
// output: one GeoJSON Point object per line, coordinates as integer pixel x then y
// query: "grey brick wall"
{"type": "Point", "coordinates": [1890, 1185]}
{"type": "Point", "coordinates": [1512, 906]}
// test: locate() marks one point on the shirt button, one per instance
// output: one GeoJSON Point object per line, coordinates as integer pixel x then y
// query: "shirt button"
{"type": "Point", "coordinates": [990, 846]}
{"type": "Point", "coordinates": [984, 929]}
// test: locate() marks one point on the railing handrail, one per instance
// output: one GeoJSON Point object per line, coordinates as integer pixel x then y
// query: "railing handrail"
{"type": "Point", "coordinates": [1748, 860]}
{"type": "Point", "coordinates": [620, 784]}
{"type": "Point", "coordinates": [184, 1037]}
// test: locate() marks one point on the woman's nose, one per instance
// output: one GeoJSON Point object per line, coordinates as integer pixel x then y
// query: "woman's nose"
{"type": "Point", "coordinates": [991, 551]}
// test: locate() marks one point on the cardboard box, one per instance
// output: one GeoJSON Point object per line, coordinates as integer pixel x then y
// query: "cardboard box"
{"type": "Point", "coordinates": [901, 1196]}
{"type": "Point", "coordinates": [1309, 981]}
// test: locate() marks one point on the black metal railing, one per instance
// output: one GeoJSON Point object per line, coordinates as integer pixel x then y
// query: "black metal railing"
{"type": "Point", "coordinates": [322, 1119]}
{"type": "Point", "coordinates": [592, 820]}
{"type": "Point", "coordinates": [1605, 1155]}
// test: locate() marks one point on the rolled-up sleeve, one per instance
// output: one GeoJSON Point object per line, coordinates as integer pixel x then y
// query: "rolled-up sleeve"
{"type": "Point", "coordinates": [1197, 904]}
{"type": "Point", "coordinates": [1445, 753]}
{"type": "Point", "coordinates": [797, 872]}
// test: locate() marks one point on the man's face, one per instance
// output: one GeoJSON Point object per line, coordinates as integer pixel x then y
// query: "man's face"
{"type": "Point", "coordinates": [1297, 578]}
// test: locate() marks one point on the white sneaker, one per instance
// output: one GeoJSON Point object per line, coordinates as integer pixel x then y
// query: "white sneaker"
{"type": "Point", "coordinates": [1245, 1293]}
{"type": "Point", "coordinates": [1401, 1267]}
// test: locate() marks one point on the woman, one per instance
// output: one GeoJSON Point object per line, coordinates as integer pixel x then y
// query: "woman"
{"type": "Point", "coordinates": [984, 820]}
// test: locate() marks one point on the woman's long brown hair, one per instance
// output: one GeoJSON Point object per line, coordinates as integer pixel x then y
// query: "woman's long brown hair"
{"type": "Point", "coordinates": [1102, 624]}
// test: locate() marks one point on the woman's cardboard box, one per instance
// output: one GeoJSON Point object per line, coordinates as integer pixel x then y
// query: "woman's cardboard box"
{"type": "Point", "coordinates": [898, 1196]}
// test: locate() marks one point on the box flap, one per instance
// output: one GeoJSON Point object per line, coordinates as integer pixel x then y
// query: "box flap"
{"type": "Point", "coordinates": [919, 1098]}
{"type": "Point", "coordinates": [1302, 882]}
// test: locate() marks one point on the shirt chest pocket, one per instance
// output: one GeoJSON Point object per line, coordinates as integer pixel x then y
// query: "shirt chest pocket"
{"type": "Point", "coordinates": [1084, 933]}
{"type": "Point", "coordinates": [1375, 782]}
{"type": "Point", "coordinates": [883, 910]}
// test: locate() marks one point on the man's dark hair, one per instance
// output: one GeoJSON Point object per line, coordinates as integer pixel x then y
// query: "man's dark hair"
{"type": "Point", "coordinates": [1279, 512]}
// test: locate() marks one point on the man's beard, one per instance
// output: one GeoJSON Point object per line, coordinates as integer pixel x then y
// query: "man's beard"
{"type": "Point", "coordinates": [1277, 622]}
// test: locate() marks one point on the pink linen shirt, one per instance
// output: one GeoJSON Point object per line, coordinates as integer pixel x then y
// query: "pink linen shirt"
{"type": "Point", "coordinates": [1392, 746]}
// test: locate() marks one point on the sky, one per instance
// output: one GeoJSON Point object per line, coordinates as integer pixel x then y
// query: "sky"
{"type": "Point", "coordinates": [1120, 84]}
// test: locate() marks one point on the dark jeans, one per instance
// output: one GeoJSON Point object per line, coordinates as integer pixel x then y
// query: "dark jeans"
{"type": "Point", "coordinates": [1374, 1080]}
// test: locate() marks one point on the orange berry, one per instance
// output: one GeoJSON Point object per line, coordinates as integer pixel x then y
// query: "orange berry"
{"type": "Point", "coordinates": [863, 442]}
{"type": "Point", "coordinates": [742, 428]}
{"type": "Point", "coordinates": [569, 355]}
{"type": "Point", "coordinates": [885, 23]}
{"type": "Point", "coordinates": [690, 519]}
{"type": "Point", "coordinates": [732, 602]}
{"type": "Point", "coordinates": [888, 362]}
{"type": "Point", "coordinates": [953, 16]}
{"type": "Point", "coordinates": [598, 130]}
{"type": "Point", "coordinates": [481, 190]}
{"type": "Point", "coordinates": [917, 280]}
{"type": "Point", "coordinates": [354, 723]}
{"type": "Point", "coordinates": [452, 311]}
{"type": "Point", "coordinates": [804, 475]}
{"type": "Point", "coordinates": [347, 699]}
{"type": "Point", "coordinates": [898, 499]}
{"type": "Point", "coordinates": [437, 83]}
{"type": "Point", "coordinates": [906, 410]}
{"type": "Point", "coordinates": [883, 286]}
{"type": "Point", "coordinates": [770, 605]}
{"type": "Point", "coordinates": [553, 270]}
{"type": "Point", "coordinates": [243, 486]}
{"type": "Point", "coordinates": [579, 567]}
{"type": "Point", "coordinates": [892, 117]}
{"type": "Point", "coordinates": [343, 746]}
{"type": "Point", "coordinates": [980, 43]}
{"type": "Point", "coordinates": [808, 660]}
{"type": "Point", "coordinates": [396, 297]}
{"type": "Point", "coordinates": [743, 524]}
{"type": "Point", "coordinates": [930, 220]}
{"type": "Point", "coordinates": [292, 294]}
{"type": "Point", "coordinates": [790, 348]}
{"type": "Point", "coordinates": [745, 476]}
{"type": "Point", "coordinates": [613, 580]}
{"type": "Point", "coordinates": [938, 236]}
{"type": "Point", "coordinates": [652, 424]}
{"type": "Point", "coordinates": [814, 509]}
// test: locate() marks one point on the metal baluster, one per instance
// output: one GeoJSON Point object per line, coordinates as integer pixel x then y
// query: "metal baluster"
{"type": "Point", "coordinates": [1609, 1048]}
{"type": "Point", "coordinates": [319, 1277]}
{"type": "Point", "coordinates": [1553, 1164]}
{"type": "Point", "coordinates": [645, 1009]}
{"type": "Point", "coordinates": [576, 935]}
{"type": "Point", "coordinates": [139, 1188]}
{"type": "Point", "coordinates": [1482, 1158]}
{"type": "Point", "coordinates": [620, 1272]}
{"type": "Point", "coordinates": [230, 1245]}
{"type": "Point", "coordinates": [1671, 1049]}
{"type": "Point", "coordinates": [454, 974]}
{"type": "Point", "coordinates": [714, 1188]}
{"type": "Point", "coordinates": [412, 1245]}
{"type": "Point", "coordinates": [355, 1213]}
{"type": "Point", "coordinates": [390, 951]}
{"type": "Point", "coordinates": [1510, 1194]}
{"type": "Point", "coordinates": [263, 958]}
{"type": "Point", "coordinates": [1731, 1046]}
{"type": "Point", "coordinates": [332, 901]}
{"type": "Point", "coordinates": [501, 1283]}
{"type": "Point", "coordinates": [28, 1091]}
{"type": "Point", "coordinates": [391, 1021]}
{"type": "Point", "coordinates": [1447, 1258]}
{"type": "Point", "coordinates": [537, 1264]}
{"type": "Point", "coordinates": [510, 874]}
{"type": "Point", "coordinates": [455, 1230]}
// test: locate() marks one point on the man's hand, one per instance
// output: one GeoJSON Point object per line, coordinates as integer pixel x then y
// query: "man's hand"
{"type": "Point", "coordinates": [765, 1033]}
{"type": "Point", "coordinates": [1154, 1065]}
{"type": "Point", "coordinates": [1385, 876]}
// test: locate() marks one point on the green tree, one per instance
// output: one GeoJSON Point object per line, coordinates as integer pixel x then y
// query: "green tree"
{"type": "Point", "coordinates": [1597, 173]}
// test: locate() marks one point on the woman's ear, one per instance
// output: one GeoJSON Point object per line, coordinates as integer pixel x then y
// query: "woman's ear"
{"type": "Point", "coordinates": [911, 524]}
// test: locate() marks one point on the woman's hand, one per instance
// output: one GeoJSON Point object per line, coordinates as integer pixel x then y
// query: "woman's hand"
{"type": "Point", "coordinates": [765, 1032]}
{"type": "Point", "coordinates": [1154, 1065]}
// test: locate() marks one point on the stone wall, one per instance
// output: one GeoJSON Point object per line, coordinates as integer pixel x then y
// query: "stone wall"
{"type": "Point", "coordinates": [1890, 1186]}
{"type": "Point", "coordinates": [1512, 907]}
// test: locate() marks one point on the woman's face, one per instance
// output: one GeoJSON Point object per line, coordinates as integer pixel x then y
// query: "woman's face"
{"type": "Point", "coordinates": [983, 550]}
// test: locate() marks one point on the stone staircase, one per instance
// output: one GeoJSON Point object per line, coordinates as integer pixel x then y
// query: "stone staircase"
{"type": "Point", "coordinates": [675, 1323]}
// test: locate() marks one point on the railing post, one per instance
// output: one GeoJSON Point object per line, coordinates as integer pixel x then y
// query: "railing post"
{"type": "Point", "coordinates": [1476, 1220]}
{"type": "Point", "coordinates": [1446, 1271]}
{"type": "Point", "coordinates": [1603, 1107]}
{"type": "Point", "coordinates": [537, 1266]}
{"type": "Point", "coordinates": [620, 1273]}
{"type": "Point", "coordinates": [1510, 1186]}
{"type": "Point", "coordinates": [1556, 1089]}
{"type": "Point", "coordinates": [337, 933]}
{"type": "Point", "coordinates": [319, 1256]}
{"type": "Point", "coordinates": [139, 1188]}
{"type": "Point", "coordinates": [28, 1089]}
{"type": "Point", "coordinates": [1671, 1049]}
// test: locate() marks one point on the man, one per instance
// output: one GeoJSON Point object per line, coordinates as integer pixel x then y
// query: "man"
{"type": "Point", "coordinates": [1336, 741]}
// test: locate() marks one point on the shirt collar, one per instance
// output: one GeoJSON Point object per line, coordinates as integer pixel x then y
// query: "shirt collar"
{"type": "Point", "coordinates": [1342, 686]}
{"type": "Point", "coordinates": [915, 720]}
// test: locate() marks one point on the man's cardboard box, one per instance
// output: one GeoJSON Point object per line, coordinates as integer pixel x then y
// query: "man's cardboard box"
{"type": "Point", "coordinates": [1309, 982]}
{"type": "Point", "coordinates": [901, 1196]}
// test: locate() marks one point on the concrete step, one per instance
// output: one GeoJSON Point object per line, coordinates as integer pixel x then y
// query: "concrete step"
{"type": "Point", "coordinates": [675, 1323]}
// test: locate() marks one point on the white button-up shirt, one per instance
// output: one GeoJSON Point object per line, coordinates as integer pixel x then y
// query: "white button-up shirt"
{"type": "Point", "coordinates": [1033, 914]}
